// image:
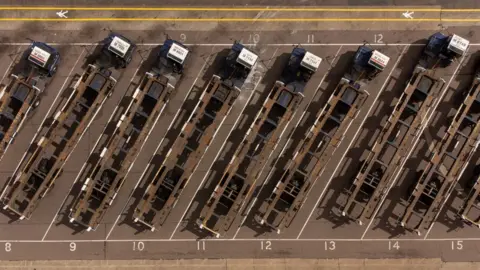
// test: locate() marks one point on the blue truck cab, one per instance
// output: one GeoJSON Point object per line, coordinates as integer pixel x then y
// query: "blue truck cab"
{"type": "Point", "coordinates": [238, 64]}
{"type": "Point", "coordinates": [119, 50]}
{"type": "Point", "coordinates": [172, 57]}
{"type": "Point", "coordinates": [367, 63]}
{"type": "Point", "coordinates": [442, 49]}
{"type": "Point", "coordinates": [43, 57]}
{"type": "Point", "coordinates": [301, 66]}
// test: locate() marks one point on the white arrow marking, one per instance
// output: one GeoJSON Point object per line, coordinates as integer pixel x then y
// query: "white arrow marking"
{"type": "Point", "coordinates": [62, 13]}
{"type": "Point", "coordinates": [408, 14]}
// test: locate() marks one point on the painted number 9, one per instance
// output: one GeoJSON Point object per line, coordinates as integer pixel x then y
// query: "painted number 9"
{"type": "Point", "coordinates": [73, 246]}
{"type": "Point", "coordinates": [183, 37]}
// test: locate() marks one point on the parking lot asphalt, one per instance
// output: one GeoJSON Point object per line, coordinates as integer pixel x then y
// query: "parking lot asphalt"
{"type": "Point", "coordinates": [318, 231]}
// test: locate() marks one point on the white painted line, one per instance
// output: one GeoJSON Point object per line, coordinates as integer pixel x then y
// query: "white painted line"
{"type": "Point", "coordinates": [17, 51]}
{"type": "Point", "coordinates": [158, 147]}
{"type": "Point", "coordinates": [285, 145]}
{"type": "Point", "coordinates": [133, 162]}
{"type": "Point", "coordinates": [221, 148]}
{"type": "Point", "coordinates": [128, 241]}
{"type": "Point", "coordinates": [79, 139]}
{"type": "Point", "coordinates": [260, 173]}
{"type": "Point", "coordinates": [413, 146]}
{"type": "Point", "coordinates": [351, 142]}
{"type": "Point", "coordinates": [459, 176]}
{"type": "Point", "coordinates": [65, 161]}
{"type": "Point", "coordinates": [229, 44]}
{"type": "Point", "coordinates": [85, 163]}
{"type": "Point", "coordinates": [46, 115]}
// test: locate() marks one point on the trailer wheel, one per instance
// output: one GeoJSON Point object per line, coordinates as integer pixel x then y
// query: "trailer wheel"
{"type": "Point", "coordinates": [54, 70]}
{"type": "Point", "coordinates": [36, 103]}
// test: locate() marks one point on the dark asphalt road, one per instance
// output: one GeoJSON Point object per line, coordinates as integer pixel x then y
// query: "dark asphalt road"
{"type": "Point", "coordinates": [351, 3]}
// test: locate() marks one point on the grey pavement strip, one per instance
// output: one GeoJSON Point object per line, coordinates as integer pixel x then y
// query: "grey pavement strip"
{"type": "Point", "coordinates": [243, 264]}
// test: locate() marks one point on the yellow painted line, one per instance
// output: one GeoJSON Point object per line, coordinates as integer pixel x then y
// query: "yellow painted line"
{"type": "Point", "coordinates": [280, 9]}
{"type": "Point", "coordinates": [234, 19]}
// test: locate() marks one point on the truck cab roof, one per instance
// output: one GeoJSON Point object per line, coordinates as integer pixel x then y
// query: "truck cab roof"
{"type": "Point", "coordinates": [440, 45]}
{"type": "Point", "coordinates": [301, 66]}
{"type": "Point", "coordinates": [367, 63]}
{"type": "Point", "coordinates": [244, 57]}
{"type": "Point", "coordinates": [458, 44]}
{"type": "Point", "coordinates": [310, 61]}
{"type": "Point", "coordinates": [239, 62]}
{"type": "Point", "coordinates": [116, 51]}
{"type": "Point", "coordinates": [119, 45]}
{"type": "Point", "coordinates": [366, 56]}
{"type": "Point", "coordinates": [43, 57]}
{"type": "Point", "coordinates": [173, 54]}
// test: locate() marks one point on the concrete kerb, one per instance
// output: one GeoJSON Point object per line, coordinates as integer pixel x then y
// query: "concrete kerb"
{"type": "Point", "coordinates": [280, 263]}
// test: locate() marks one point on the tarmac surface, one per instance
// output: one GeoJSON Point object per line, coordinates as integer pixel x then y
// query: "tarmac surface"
{"type": "Point", "coordinates": [318, 231]}
{"type": "Point", "coordinates": [354, 3]}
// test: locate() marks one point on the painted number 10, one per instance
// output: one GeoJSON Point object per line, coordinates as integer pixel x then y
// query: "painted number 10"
{"type": "Point", "coordinates": [138, 246]}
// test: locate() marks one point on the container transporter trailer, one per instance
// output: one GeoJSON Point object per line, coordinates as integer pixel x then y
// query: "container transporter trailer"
{"type": "Point", "coordinates": [393, 144]}
{"type": "Point", "coordinates": [20, 96]}
{"type": "Point", "coordinates": [321, 140]}
{"type": "Point", "coordinates": [195, 137]}
{"type": "Point", "coordinates": [43, 164]}
{"type": "Point", "coordinates": [115, 157]}
{"type": "Point", "coordinates": [470, 211]}
{"type": "Point", "coordinates": [238, 179]}
{"type": "Point", "coordinates": [445, 167]}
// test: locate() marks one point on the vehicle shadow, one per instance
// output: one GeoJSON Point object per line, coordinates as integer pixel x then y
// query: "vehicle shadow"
{"type": "Point", "coordinates": [233, 142]}
{"type": "Point", "coordinates": [94, 157]}
{"type": "Point", "coordinates": [388, 220]}
{"type": "Point", "coordinates": [278, 164]}
{"type": "Point", "coordinates": [156, 162]}
{"type": "Point", "coordinates": [449, 214]}
{"type": "Point", "coordinates": [330, 207]}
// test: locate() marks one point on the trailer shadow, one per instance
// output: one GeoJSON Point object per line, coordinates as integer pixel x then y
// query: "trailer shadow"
{"type": "Point", "coordinates": [443, 117]}
{"type": "Point", "coordinates": [278, 164]}
{"type": "Point", "coordinates": [63, 215]}
{"type": "Point", "coordinates": [156, 162]}
{"type": "Point", "coordinates": [233, 142]}
{"type": "Point", "coordinates": [329, 208]}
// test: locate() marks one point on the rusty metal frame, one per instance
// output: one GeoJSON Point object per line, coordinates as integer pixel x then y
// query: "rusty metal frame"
{"type": "Point", "coordinates": [22, 197]}
{"type": "Point", "coordinates": [315, 152]}
{"type": "Point", "coordinates": [152, 210]}
{"type": "Point", "coordinates": [470, 211]}
{"type": "Point", "coordinates": [19, 115]}
{"type": "Point", "coordinates": [117, 155]}
{"type": "Point", "coordinates": [247, 162]}
{"type": "Point", "coordinates": [371, 182]}
{"type": "Point", "coordinates": [445, 165]}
